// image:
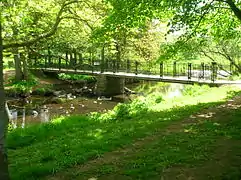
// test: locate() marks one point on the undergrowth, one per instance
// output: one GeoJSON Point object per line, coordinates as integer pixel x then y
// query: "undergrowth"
{"type": "Point", "coordinates": [23, 86]}
{"type": "Point", "coordinates": [75, 77]}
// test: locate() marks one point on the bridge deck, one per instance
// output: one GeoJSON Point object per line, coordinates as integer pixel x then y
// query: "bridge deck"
{"type": "Point", "coordinates": [179, 79]}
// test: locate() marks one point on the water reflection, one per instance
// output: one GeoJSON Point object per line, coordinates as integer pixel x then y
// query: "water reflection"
{"type": "Point", "coordinates": [23, 122]}
{"type": "Point", "coordinates": [39, 109]}
{"type": "Point", "coordinates": [13, 117]}
{"type": "Point", "coordinates": [44, 114]}
{"type": "Point", "coordinates": [42, 109]}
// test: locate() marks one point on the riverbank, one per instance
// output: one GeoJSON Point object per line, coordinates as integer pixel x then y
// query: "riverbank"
{"type": "Point", "coordinates": [39, 152]}
{"type": "Point", "coordinates": [47, 96]}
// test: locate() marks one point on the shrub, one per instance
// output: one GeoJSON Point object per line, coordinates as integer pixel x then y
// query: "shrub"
{"type": "Point", "coordinates": [23, 86]}
{"type": "Point", "coordinates": [76, 77]}
{"type": "Point", "coordinates": [122, 111]}
{"type": "Point", "coordinates": [138, 106]}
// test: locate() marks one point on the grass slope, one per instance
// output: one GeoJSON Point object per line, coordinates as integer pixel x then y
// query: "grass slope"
{"type": "Point", "coordinates": [43, 150]}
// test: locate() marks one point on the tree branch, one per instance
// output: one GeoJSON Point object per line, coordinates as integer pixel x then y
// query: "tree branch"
{"type": "Point", "coordinates": [234, 8]}
{"type": "Point", "coordinates": [225, 55]}
{"type": "Point", "coordinates": [77, 17]}
{"type": "Point", "coordinates": [45, 35]}
{"type": "Point", "coordinates": [219, 65]}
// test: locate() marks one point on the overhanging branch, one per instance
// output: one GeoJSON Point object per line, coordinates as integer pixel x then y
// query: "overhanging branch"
{"type": "Point", "coordinates": [234, 8]}
{"type": "Point", "coordinates": [45, 35]}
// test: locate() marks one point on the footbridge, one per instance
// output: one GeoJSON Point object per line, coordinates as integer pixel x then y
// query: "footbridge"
{"type": "Point", "coordinates": [111, 74]}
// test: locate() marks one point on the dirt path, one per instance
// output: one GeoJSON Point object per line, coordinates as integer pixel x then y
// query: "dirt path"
{"type": "Point", "coordinates": [222, 157]}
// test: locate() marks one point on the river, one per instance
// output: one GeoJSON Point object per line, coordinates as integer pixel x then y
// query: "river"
{"type": "Point", "coordinates": [40, 109]}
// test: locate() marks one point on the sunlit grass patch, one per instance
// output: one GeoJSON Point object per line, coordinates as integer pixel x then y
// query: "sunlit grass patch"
{"type": "Point", "coordinates": [41, 150]}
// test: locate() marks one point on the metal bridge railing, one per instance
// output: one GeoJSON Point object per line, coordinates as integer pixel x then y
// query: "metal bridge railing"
{"type": "Point", "coordinates": [189, 71]}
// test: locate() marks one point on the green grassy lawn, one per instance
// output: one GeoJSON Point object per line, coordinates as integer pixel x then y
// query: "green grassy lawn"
{"type": "Point", "coordinates": [209, 149]}
{"type": "Point", "coordinates": [43, 150]}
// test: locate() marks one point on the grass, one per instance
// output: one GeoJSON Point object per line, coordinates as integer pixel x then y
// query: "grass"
{"type": "Point", "coordinates": [190, 152]}
{"type": "Point", "coordinates": [42, 150]}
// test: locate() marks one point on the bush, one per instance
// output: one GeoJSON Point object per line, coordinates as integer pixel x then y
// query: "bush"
{"type": "Point", "coordinates": [138, 106]}
{"type": "Point", "coordinates": [23, 86]}
{"type": "Point", "coordinates": [122, 111]}
{"type": "Point", "coordinates": [76, 77]}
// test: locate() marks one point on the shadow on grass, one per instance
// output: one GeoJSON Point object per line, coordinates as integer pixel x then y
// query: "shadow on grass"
{"type": "Point", "coordinates": [41, 150]}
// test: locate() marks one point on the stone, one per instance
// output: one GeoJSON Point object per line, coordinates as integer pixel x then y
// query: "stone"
{"type": "Point", "coordinates": [57, 93]}
{"type": "Point", "coordinates": [109, 86]}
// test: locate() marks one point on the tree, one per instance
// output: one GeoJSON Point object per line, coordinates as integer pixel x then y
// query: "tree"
{"type": "Point", "coordinates": [191, 18]}
{"type": "Point", "coordinates": [24, 41]}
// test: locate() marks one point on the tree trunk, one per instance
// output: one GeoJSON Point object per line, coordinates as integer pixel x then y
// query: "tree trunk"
{"type": "Point", "coordinates": [18, 66]}
{"type": "Point", "coordinates": [17, 60]}
{"type": "Point", "coordinates": [234, 8]}
{"type": "Point", "coordinates": [4, 175]}
{"type": "Point", "coordinates": [25, 67]}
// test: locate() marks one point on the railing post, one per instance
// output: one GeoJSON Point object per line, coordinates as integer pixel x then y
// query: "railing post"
{"type": "Point", "coordinates": [136, 67]}
{"type": "Point", "coordinates": [214, 71]}
{"type": "Point", "coordinates": [203, 71]}
{"type": "Point", "coordinates": [35, 60]}
{"type": "Point", "coordinates": [114, 66]}
{"type": "Point", "coordinates": [128, 66]}
{"type": "Point", "coordinates": [117, 65]}
{"type": "Point", "coordinates": [92, 64]}
{"type": "Point", "coordinates": [80, 59]}
{"type": "Point", "coordinates": [49, 57]}
{"type": "Point", "coordinates": [102, 63]}
{"type": "Point", "coordinates": [75, 59]}
{"type": "Point", "coordinates": [174, 69]}
{"type": "Point", "coordinates": [59, 63]}
{"type": "Point", "coordinates": [66, 59]}
{"type": "Point", "coordinates": [189, 71]}
{"type": "Point", "coordinates": [45, 61]}
{"type": "Point", "coordinates": [161, 69]}
{"type": "Point", "coordinates": [71, 60]}
{"type": "Point", "coordinates": [106, 64]}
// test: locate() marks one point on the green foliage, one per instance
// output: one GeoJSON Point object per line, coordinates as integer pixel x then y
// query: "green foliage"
{"type": "Point", "coordinates": [138, 107]}
{"type": "Point", "coordinates": [76, 77]}
{"type": "Point", "coordinates": [232, 93]}
{"type": "Point", "coordinates": [122, 111]}
{"type": "Point", "coordinates": [8, 62]}
{"type": "Point", "coordinates": [235, 77]}
{"type": "Point", "coordinates": [195, 90]}
{"type": "Point", "coordinates": [159, 99]}
{"type": "Point", "coordinates": [24, 86]}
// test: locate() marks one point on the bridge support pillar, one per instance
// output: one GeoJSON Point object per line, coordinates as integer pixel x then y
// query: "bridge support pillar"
{"type": "Point", "coordinates": [109, 86]}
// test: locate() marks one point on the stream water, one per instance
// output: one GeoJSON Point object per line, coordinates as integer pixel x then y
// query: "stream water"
{"type": "Point", "coordinates": [38, 109]}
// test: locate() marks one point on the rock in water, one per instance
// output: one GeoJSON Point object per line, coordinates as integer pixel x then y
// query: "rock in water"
{"type": "Point", "coordinates": [57, 93]}
{"type": "Point", "coordinates": [34, 113]}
